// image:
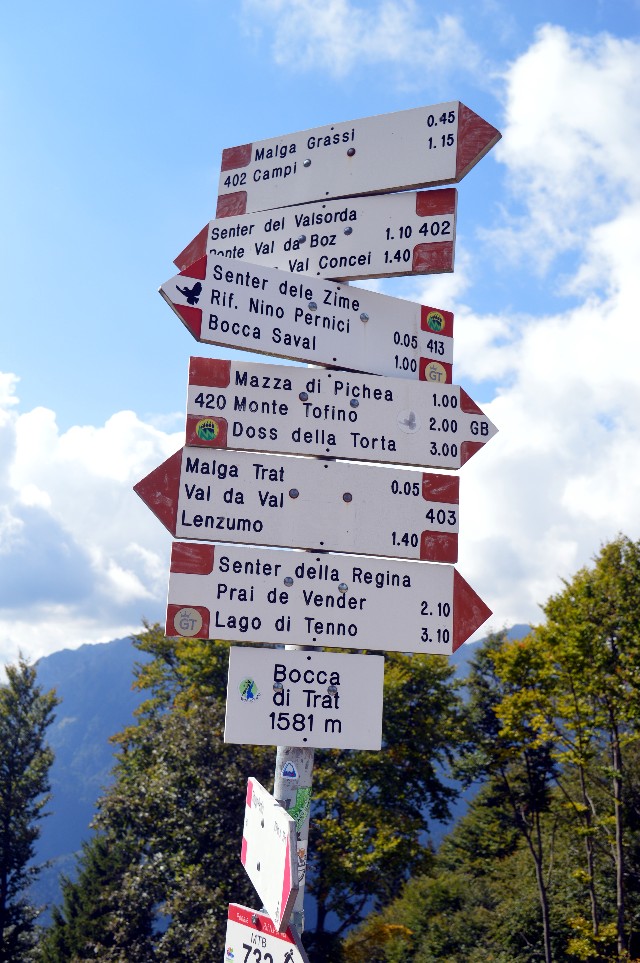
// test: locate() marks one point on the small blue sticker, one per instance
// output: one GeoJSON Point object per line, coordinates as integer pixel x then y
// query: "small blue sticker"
{"type": "Point", "coordinates": [289, 771]}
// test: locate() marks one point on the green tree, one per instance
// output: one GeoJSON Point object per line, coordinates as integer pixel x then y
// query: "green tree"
{"type": "Point", "coordinates": [155, 881]}
{"type": "Point", "coordinates": [371, 811]}
{"type": "Point", "coordinates": [26, 712]}
{"type": "Point", "coordinates": [519, 767]}
{"type": "Point", "coordinates": [173, 818]}
{"type": "Point", "coordinates": [576, 682]}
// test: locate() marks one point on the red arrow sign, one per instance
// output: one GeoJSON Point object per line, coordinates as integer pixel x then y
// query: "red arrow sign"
{"type": "Point", "coordinates": [292, 411]}
{"type": "Point", "coordinates": [390, 152]}
{"type": "Point", "coordinates": [235, 592]}
{"type": "Point", "coordinates": [384, 235]}
{"type": "Point", "coordinates": [256, 308]}
{"type": "Point", "coordinates": [245, 497]}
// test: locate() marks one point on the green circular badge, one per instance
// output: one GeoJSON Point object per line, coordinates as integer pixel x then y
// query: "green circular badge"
{"type": "Point", "coordinates": [435, 320]}
{"type": "Point", "coordinates": [249, 691]}
{"type": "Point", "coordinates": [207, 429]}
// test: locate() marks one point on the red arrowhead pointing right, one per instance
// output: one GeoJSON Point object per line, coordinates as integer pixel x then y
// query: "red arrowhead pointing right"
{"type": "Point", "coordinates": [159, 490]}
{"type": "Point", "coordinates": [476, 137]}
{"type": "Point", "coordinates": [469, 611]}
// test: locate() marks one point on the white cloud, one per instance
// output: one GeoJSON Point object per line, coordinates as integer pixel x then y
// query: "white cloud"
{"type": "Point", "coordinates": [572, 120]}
{"type": "Point", "coordinates": [340, 37]}
{"type": "Point", "coordinates": [560, 479]}
{"type": "Point", "coordinates": [81, 557]}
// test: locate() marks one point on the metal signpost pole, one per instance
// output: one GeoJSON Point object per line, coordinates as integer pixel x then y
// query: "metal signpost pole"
{"type": "Point", "coordinates": [292, 788]}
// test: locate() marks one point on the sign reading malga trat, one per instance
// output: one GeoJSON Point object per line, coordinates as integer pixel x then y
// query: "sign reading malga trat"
{"type": "Point", "coordinates": [241, 593]}
{"type": "Point", "coordinates": [257, 308]}
{"type": "Point", "coordinates": [280, 408]}
{"type": "Point", "coordinates": [269, 852]}
{"type": "Point", "coordinates": [320, 700]}
{"type": "Point", "coordinates": [258, 499]}
{"type": "Point", "coordinates": [373, 155]}
{"type": "Point", "coordinates": [384, 235]}
{"type": "Point", "coordinates": [252, 937]}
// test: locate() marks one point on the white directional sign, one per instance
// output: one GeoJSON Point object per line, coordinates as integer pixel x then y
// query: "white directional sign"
{"type": "Point", "coordinates": [321, 700]}
{"type": "Point", "coordinates": [252, 937]}
{"type": "Point", "coordinates": [372, 155]}
{"type": "Point", "coordinates": [305, 503]}
{"type": "Point", "coordinates": [236, 593]}
{"type": "Point", "coordinates": [269, 853]}
{"type": "Point", "coordinates": [256, 308]}
{"type": "Point", "coordinates": [384, 235]}
{"type": "Point", "coordinates": [291, 410]}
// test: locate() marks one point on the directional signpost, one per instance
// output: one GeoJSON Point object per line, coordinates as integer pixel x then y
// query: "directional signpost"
{"type": "Point", "coordinates": [384, 235]}
{"type": "Point", "coordinates": [319, 699]}
{"type": "Point", "coordinates": [252, 936]}
{"type": "Point", "coordinates": [305, 503]}
{"type": "Point", "coordinates": [277, 408]}
{"type": "Point", "coordinates": [280, 597]}
{"type": "Point", "coordinates": [256, 308]}
{"type": "Point", "coordinates": [269, 852]}
{"type": "Point", "coordinates": [298, 216]}
{"type": "Point", "coordinates": [390, 152]}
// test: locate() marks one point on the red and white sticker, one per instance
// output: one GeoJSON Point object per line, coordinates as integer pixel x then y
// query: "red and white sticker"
{"type": "Point", "coordinates": [251, 936]}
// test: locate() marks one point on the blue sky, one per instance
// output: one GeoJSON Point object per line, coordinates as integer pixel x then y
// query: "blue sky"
{"type": "Point", "coordinates": [114, 117]}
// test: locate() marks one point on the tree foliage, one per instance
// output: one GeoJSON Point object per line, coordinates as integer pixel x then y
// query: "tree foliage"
{"type": "Point", "coordinates": [156, 880]}
{"type": "Point", "coordinates": [25, 759]}
{"type": "Point", "coordinates": [546, 865]}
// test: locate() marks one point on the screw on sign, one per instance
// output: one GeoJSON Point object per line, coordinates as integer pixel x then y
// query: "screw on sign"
{"type": "Point", "coordinates": [384, 235]}
{"type": "Point", "coordinates": [389, 152]}
{"type": "Point", "coordinates": [263, 309]}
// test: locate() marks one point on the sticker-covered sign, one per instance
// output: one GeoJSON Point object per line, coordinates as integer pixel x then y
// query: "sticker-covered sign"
{"type": "Point", "coordinates": [258, 499]}
{"type": "Point", "coordinates": [385, 235]}
{"type": "Point", "coordinates": [321, 700]}
{"type": "Point", "coordinates": [252, 938]}
{"type": "Point", "coordinates": [269, 853]}
{"type": "Point", "coordinates": [385, 153]}
{"type": "Point", "coordinates": [290, 410]}
{"type": "Point", "coordinates": [241, 593]}
{"type": "Point", "coordinates": [263, 309]}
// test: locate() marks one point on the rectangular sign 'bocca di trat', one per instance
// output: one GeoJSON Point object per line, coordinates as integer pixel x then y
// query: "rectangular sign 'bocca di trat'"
{"type": "Point", "coordinates": [321, 700]}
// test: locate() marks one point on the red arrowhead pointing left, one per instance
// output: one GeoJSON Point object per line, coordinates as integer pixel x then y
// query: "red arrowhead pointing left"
{"type": "Point", "coordinates": [469, 611]}
{"type": "Point", "coordinates": [159, 490]}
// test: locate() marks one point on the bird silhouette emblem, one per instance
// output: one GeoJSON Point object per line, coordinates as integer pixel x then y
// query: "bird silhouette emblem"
{"type": "Point", "coordinates": [191, 294]}
{"type": "Point", "coordinates": [409, 421]}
